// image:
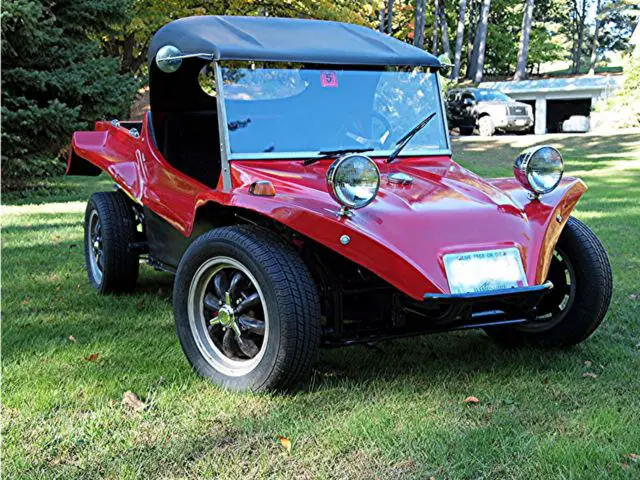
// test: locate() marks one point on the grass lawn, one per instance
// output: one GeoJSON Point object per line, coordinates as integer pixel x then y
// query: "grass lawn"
{"type": "Point", "coordinates": [68, 356]}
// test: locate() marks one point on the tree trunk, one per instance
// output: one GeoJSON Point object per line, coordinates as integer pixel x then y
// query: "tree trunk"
{"type": "Point", "coordinates": [434, 48]}
{"type": "Point", "coordinates": [579, 12]}
{"type": "Point", "coordinates": [418, 34]}
{"type": "Point", "coordinates": [473, 23]}
{"type": "Point", "coordinates": [594, 47]}
{"type": "Point", "coordinates": [480, 44]}
{"type": "Point", "coordinates": [459, 39]}
{"type": "Point", "coordinates": [390, 17]}
{"type": "Point", "coordinates": [523, 51]}
{"type": "Point", "coordinates": [381, 20]}
{"type": "Point", "coordinates": [446, 46]}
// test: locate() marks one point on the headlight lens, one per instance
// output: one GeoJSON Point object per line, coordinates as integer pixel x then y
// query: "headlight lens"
{"type": "Point", "coordinates": [353, 180]}
{"type": "Point", "coordinates": [539, 169]}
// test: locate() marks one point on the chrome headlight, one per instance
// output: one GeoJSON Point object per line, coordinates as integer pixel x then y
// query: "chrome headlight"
{"type": "Point", "coordinates": [353, 180]}
{"type": "Point", "coordinates": [539, 169]}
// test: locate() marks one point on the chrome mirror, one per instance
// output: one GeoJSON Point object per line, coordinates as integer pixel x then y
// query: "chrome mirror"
{"type": "Point", "coordinates": [169, 59]}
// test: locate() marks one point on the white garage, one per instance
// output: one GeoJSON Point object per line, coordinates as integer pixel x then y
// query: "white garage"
{"type": "Point", "coordinates": [556, 99]}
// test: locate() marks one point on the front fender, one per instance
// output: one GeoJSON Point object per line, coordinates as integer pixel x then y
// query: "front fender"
{"type": "Point", "coordinates": [403, 234]}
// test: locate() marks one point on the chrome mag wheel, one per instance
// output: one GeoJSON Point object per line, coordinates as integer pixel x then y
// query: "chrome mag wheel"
{"type": "Point", "coordinates": [95, 248]}
{"type": "Point", "coordinates": [227, 316]}
{"type": "Point", "coordinates": [555, 306]}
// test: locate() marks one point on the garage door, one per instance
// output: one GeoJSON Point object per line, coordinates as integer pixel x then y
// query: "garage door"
{"type": "Point", "coordinates": [560, 110]}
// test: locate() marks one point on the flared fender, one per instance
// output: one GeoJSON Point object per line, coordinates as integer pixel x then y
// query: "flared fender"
{"type": "Point", "coordinates": [401, 236]}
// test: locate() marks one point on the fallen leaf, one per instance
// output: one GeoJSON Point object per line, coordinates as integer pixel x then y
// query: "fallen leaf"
{"type": "Point", "coordinates": [469, 400]}
{"type": "Point", "coordinates": [140, 304]}
{"type": "Point", "coordinates": [25, 301]}
{"type": "Point", "coordinates": [131, 401]}
{"type": "Point", "coordinates": [587, 363]}
{"type": "Point", "coordinates": [589, 374]}
{"type": "Point", "coordinates": [634, 457]}
{"type": "Point", "coordinates": [624, 465]}
{"type": "Point", "coordinates": [93, 357]}
{"type": "Point", "coordinates": [72, 338]}
{"type": "Point", "coordinates": [285, 442]}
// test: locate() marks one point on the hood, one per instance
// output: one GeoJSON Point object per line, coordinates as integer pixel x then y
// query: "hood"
{"type": "Point", "coordinates": [445, 209]}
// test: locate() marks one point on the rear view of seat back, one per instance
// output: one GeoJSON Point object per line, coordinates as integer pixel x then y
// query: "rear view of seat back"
{"type": "Point", "coordinates": [191, 144]}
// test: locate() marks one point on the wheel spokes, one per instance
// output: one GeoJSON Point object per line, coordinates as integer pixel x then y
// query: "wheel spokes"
{"type": "Point", "coordinates": [252, 325]}
{"type": "Point", "coordinates": [248, 303]}
{"type": "Point", "coordinates": [220, 284]}
{"type": "Point", "coordinates": [211, 302]}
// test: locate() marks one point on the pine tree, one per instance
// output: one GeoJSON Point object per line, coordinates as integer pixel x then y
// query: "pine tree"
{"type": "Point", "coordinates": [55, 80]}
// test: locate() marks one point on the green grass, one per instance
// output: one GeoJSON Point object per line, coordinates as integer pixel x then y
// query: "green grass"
{"type": "Point", "coordinates": [393, 412]}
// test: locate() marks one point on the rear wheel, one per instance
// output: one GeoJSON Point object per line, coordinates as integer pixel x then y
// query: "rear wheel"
{"type": "Point", "coordinates": [246, 308]}
{"type": "Point", "coordinates": [109, 229]}
{"type": "Point", "coordinates": [486, 126]}
{"type": "Point", "coordinates": [582, 287]}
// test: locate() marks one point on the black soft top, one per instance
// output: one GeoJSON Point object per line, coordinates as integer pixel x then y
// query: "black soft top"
{"type": "Point", "coordinates": [287, 39]}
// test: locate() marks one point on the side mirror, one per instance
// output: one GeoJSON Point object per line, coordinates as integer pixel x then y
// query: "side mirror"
{"type": "Point", "coordinates": [169, 59]}
{"type": "Point", "coordinates": [445, 69]}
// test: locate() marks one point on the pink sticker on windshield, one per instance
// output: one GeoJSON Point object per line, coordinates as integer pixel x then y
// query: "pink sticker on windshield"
{"type": "Point", "coordinates": [329, 79]}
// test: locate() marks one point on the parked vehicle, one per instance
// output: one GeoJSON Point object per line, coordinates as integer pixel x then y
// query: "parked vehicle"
{"type": "Point", "coordinates": [576, 124]}
{"type": "Point", "coordinates": [308, 197]}
{"type": "Point", "coordinates": [488, 111]}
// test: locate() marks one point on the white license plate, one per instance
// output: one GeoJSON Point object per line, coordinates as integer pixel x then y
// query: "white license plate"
{"type": "Point", "coordinates": [484, 271]}
{"type": "Point", "coordinates": [521, 122]}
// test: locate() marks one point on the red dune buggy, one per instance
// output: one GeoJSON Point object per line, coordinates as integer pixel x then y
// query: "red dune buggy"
{"type": "Point", "coordinates": [296, 177]}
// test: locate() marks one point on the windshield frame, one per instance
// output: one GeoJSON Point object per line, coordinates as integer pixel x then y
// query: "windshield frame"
{"type": "Point", "coordinates": [226, 146]}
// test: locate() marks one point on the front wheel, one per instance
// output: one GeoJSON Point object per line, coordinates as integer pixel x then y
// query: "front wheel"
{"type": "Point", "coordinates": [247, 310]}
{"type": "Point", "coordinates": [582, 286]}
{"type": "Point", "coordinates": [486, 128]}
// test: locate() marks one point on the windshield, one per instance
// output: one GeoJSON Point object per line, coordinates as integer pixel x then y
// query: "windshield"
{"type": "Point", "coordinates": [288, 112]}
{"type": "Point", "coordinates": [491, 96]}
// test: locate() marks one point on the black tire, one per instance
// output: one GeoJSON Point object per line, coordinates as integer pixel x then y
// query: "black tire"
{"type": "Point", "coordinates": [118, 267]}
{"type": "Point", "coordinates": [589, 267]}
{"type": "Point", "coordinates": [290, 306]}
{"type": "Point", "coordinates": [486, 128]}
{"type": "Point", "coordinates": [466, 130]}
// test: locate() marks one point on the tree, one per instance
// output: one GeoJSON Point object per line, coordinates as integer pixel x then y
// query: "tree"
{"type": "Point", "coordinates": [444, 27]}
{"type": "Point", "coordinates": [594, 47]}
{"type": "Point", "coordinates": [579, 17]}
{"type": "Point", "coordinates": [523, 51]}
{"type": "Point", "coordinates": [418, 35]}
{"type": "Point", "coordinates": [462, 9]}
{"type": "Point", "coordinates": [480, 43]}
{"type": "Point", "coordinates": [55, 80]}
{"type": "Point", "coordinates": [390, 17]}
{"type": "Point", "coordinates": [434, 47]}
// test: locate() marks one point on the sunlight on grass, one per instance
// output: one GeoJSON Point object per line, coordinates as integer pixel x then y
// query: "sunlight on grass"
{"type": "Point", "coordinates": [68, 355]}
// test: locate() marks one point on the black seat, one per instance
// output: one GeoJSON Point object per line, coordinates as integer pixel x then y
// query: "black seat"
{"type": "Point", "coordinates": [191, 143]}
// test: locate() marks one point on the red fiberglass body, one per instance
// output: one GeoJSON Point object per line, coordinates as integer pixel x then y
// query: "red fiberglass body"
{"type": "Point", "coordinates": [401, 236]}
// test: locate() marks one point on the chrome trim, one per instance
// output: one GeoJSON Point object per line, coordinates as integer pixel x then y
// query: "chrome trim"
{"type": "Point", "coordinates": [521, 168]}
{"type": "Point", "coordinates": [400, 178]}
{"type": "Point", "coordinates": [443, 112]}
{"type": "Point", "coordinates": [299, 155]}
{"type": "Point", "coordinates": [331, 173]}
{"type": "Point", "coordinates": [225, 152]}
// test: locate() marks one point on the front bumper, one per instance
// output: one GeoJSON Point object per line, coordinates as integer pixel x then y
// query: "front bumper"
{"type": "Point", "coordinates": [448, 312]}
{"type": "Point", "coordinates": [513, 123]}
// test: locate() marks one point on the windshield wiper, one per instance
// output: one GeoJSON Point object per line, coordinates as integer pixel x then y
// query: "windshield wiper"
{"type": "Point", "coordinates": [407, 138]}
{"type": "Point", "coordinates": [332, 153]}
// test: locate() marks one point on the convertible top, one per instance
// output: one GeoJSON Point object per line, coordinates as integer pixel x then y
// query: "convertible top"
{"type": "Point", "coordinates": [286, 39]}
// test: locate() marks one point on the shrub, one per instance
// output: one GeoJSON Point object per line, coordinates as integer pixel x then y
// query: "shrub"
{"type": "Point", "coordinates": [55, 79]}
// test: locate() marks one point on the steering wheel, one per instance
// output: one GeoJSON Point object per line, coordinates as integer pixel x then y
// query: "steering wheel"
{"type": "Point", "coordinates": [375, 135]}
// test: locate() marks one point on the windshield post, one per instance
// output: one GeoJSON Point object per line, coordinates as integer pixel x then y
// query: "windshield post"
{"type": "Point", "coordinates": [225, 150]}
{"type": "Point", "coordinates": [443, 112]}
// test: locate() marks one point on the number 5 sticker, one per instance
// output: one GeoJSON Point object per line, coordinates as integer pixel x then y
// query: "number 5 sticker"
{"type": "Point", "coordinates": [329, 79]}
